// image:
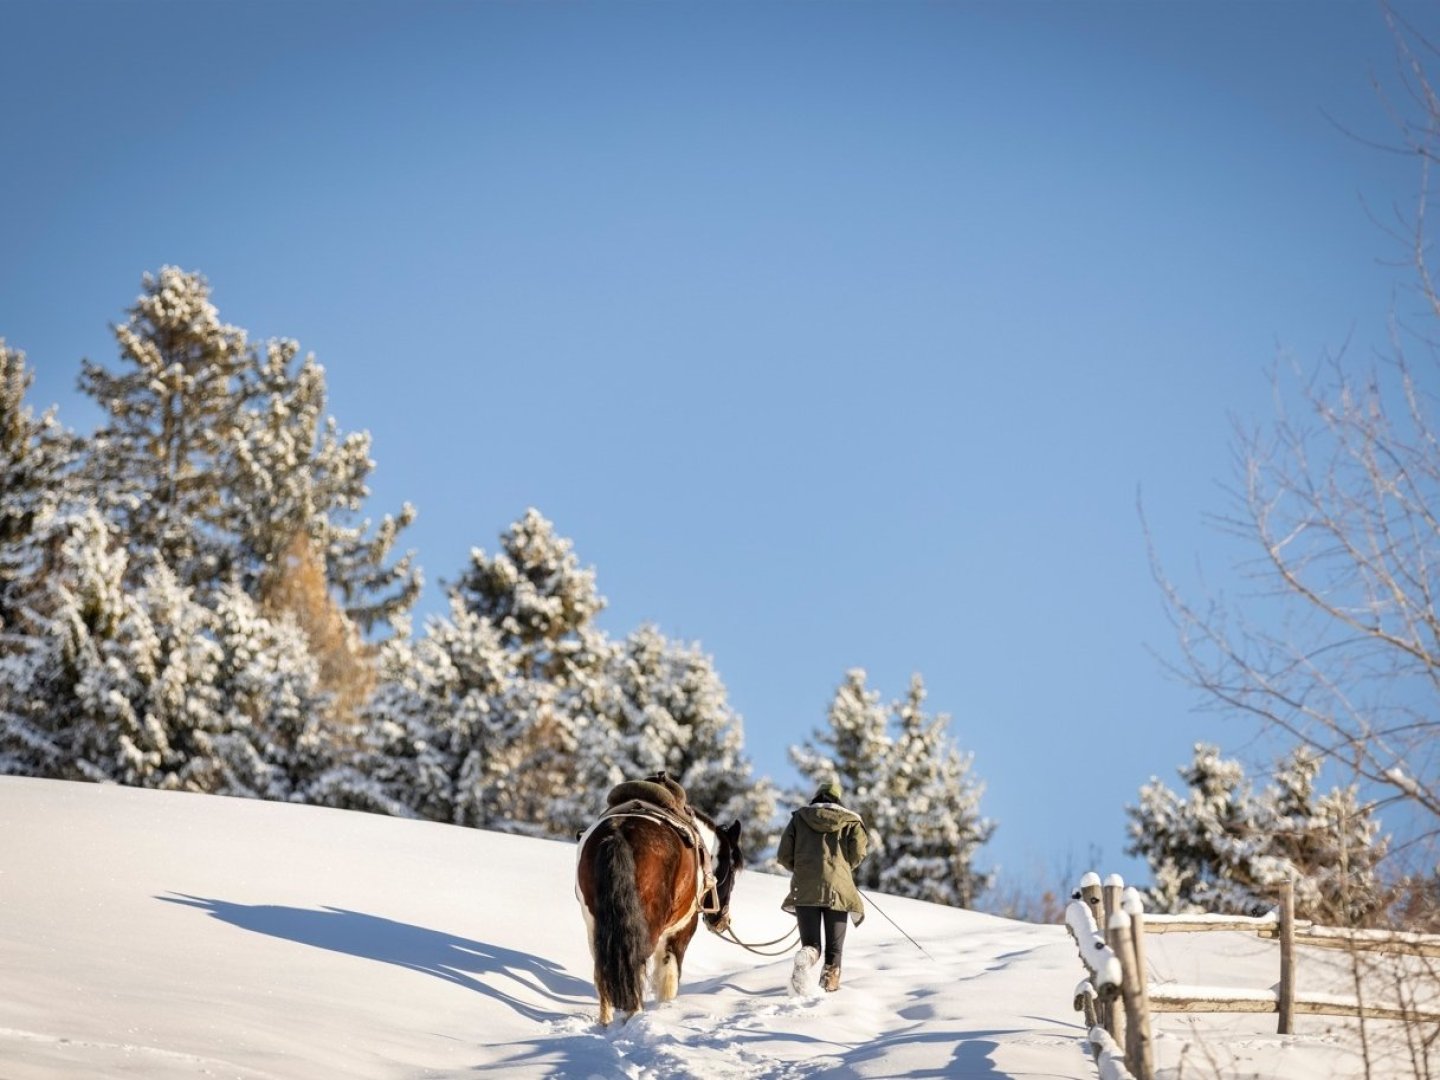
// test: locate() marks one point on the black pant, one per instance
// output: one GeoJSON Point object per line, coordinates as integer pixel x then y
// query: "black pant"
{"type": "Point", "coordinates": [811, 919]}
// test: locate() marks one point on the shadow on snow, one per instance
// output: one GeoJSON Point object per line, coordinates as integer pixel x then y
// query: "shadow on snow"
{"type": "Point", "coordinates": [455, 959]}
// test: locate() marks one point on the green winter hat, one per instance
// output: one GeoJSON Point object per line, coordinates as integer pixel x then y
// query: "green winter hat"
{"type": "Point", "coordinates": [828, 789]}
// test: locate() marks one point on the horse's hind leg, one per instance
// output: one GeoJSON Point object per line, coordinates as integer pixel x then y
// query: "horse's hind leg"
{"type": "Point", "coordinates": [669, 958]}
{"type": "Point", "coordinates": [665, 970]}
{"type": "Point", "coordinates": [607, 1011]}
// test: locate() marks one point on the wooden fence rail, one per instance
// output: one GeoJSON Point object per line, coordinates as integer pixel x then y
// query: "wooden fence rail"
{"type": "Point", "coordinates": [1117, 1008]}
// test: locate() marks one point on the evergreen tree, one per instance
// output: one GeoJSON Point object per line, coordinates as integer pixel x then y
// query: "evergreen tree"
{"type": "Point", "coordinates": [213, 458]}
{"type": "Point", "coordinates": [936, 828]}
{"type": "Point", "coordinates": [663, 706]}
{"type": "Point", "coordinates": [902, 774]}
{"type": "Point", "coordinates": [116, 684]}
{"type": "Point", "coordinates": [55, 613]}
{"type": "Point", "coordinates": [279, 734]}
{"type": "Point", "coordinates": [1221, 847]}
{"type": "Point", "coordinates": [854, 749]}
{"type": "Point", "coordinates": [538, 597]}
{"type": "Point", "coordinates": [438, 728]}
{"type": "Point", "coordinates": [539, 601]}
{"type": "Point", "coordinates": [35, 459]}
{"type": "Point", "coordinates": [302, 483]}
{"type": "Point", "coordinates": [171, 410]}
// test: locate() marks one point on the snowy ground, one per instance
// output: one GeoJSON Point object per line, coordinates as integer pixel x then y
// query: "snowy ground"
{"type": "Point", "coordinates": [157, 935]}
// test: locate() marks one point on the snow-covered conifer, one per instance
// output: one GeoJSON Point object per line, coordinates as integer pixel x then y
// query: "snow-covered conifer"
{"type": "Point", "coordinates": [171, 408]}
{"type": "Point", "coordinates": [853, 748]}
{"type": "Point", "coordinates": [35, 458]}
{"type": "Point", "coordinates": [541, 603]}
{"type": "Point", "coordinates": [118, 683]}
{"type": "Point", "coordinates": [438, 731]}
{"type": "Point", "coordinates": [536, 594]}
{"type": "Point", "coordinates": [279, 733]}
{"type": "Point", "coordinates": [664, 707]}
{"type": "Point", "coordinates": [903, 775]}
{"type": "Point", "coordinates": [304, 482]}
{"type": "Point", "coordinates": [215, 457]}
{"type": "Point", "coordinates": [936, 828]}
{"type": "Point", "coordinates": [1222, 847]}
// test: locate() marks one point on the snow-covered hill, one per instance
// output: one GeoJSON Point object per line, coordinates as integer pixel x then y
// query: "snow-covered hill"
{"type": "Point", "coordinates": [158, 935]}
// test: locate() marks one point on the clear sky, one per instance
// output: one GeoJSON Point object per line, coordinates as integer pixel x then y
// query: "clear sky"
{"type": "Point", "coordinates": [833, 334]}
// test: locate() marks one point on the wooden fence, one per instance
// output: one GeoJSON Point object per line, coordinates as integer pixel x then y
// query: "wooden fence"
{"type": "Point", "coordinates": [1117, 999]}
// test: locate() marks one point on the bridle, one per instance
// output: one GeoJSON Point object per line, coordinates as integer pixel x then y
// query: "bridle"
{"type": "Point", "coordinates": [716, 912]}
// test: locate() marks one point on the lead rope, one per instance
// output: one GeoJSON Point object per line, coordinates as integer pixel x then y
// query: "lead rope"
{"type": "Point", "coordinates": [760, 946]}
{"type": "Point", "coordinates": [897, 926]}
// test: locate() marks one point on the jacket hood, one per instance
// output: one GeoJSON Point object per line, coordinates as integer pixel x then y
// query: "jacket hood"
{"type": "Point", "coordinates": [826, 817]}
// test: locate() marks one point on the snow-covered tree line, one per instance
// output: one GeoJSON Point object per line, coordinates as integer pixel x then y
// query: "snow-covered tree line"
{"type": "Point", "coordinates": [192, 597]}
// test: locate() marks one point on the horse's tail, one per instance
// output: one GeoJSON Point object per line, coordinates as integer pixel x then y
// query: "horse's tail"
{"type": "Point", "coordinates": [622, 933]}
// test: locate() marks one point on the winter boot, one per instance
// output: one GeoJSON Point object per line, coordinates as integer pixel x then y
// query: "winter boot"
{"type": "Point", "coordinates": [830, 978]}
{"type": "Point", "coordinates": [800, 975]}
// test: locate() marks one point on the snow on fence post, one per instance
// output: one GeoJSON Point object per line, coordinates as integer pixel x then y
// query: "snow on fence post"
{"type": "Point", "coordinates": [1136, 1040]}
{"type": "Point", "coordinates": [1090, 892]}
{"type": "Point", "coordinates": [1114, 892]}
{"type": "Point", "coordinates": [1287, 957]}
{"type": "Point", "coordinates": [1109, 1062]}
{"type": "Point", "coordinates": [1111, 892]}
{"type": "Point", "coordinates": [1093, 896]}
{"type": "Point", "coordinates": [1085, 1003]}
{"type": "Point", "coordinates": [1099, 959]}
{"type": "Point", "coordinates": [1136, 910]}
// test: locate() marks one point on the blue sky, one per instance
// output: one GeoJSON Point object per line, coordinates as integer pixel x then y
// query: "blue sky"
{"type": "Point", "coordinates": [833, 334]}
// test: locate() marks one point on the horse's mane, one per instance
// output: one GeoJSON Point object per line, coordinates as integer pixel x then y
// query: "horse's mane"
{"type": "Point", "coordinates": [721, 839]}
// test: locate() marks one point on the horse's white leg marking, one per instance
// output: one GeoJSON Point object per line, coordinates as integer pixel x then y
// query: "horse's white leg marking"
{"type": "Point", "coordinates": [665, 974]}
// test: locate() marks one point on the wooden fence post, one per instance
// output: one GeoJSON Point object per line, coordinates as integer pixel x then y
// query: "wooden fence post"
{"type": "Point", "coordinates": [1114, 892]}
{"type": "Point", "coordinates": [1126, 934]}
{"type": "Point", "coordinates": [1136, 910]}
{"type": "Point", "coordinates": [1287, 957]}
{"type": "Point", "coordinates": [1092, 894]}
{"type": "Point", "coordinates": [1111, 893]}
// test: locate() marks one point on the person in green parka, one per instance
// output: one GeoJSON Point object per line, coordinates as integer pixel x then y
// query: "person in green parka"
{"type": "Point", "coordinates": [820, 847]}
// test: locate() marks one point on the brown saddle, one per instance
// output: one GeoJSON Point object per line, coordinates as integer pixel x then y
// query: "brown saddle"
{"type": "Point", "coordinates": [658, 789]}
{"type": "Point", "coordinates": [657, 797]}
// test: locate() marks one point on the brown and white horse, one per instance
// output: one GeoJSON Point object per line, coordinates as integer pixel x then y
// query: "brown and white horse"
{"type": "Point", "coordinates": [643, 886]}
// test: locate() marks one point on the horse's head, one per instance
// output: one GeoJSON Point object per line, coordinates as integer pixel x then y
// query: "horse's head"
{"type": "Point", "coordinates": [728, 861]}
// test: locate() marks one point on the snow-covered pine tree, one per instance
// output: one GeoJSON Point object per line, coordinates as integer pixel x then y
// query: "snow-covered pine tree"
{"type": "Point", "coordinates": [117, 683]}
{"type": "Point", "coordinates": [662, 705]}
{"type": "Point", "coordinates": [303, 483]}
{"type": "Point", "coordinates": [1332, 841]}
{"type": "Point", "coordinates": [853, 748]}
{"type": "Point", "coordinates": [537, 595]}
{"type": "Point", "coordinates": [214, 457]}
{"type": "Point", "coordinates": [438, 736]}
{"type": "Point", "coordinates": [35, 459]}
{"type": "Point", "coordinates": [903, 775]}
{"type": "Point", "coordinates": [539, 600]}
{"type": "Point", "coordinates": [279, 735]}
{"type": "Point", "coordinates": [1220, 847]}
{"type": "Point", "coordinates": [937, 828]}
{"type": "Point", "coordinates": [65, 594]}
{"type": "Point", "coordinates": [158, 460]}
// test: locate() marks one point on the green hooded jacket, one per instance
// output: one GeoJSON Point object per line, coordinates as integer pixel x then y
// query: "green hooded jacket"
{"type": "Point", "coordinates": [820, 846]}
